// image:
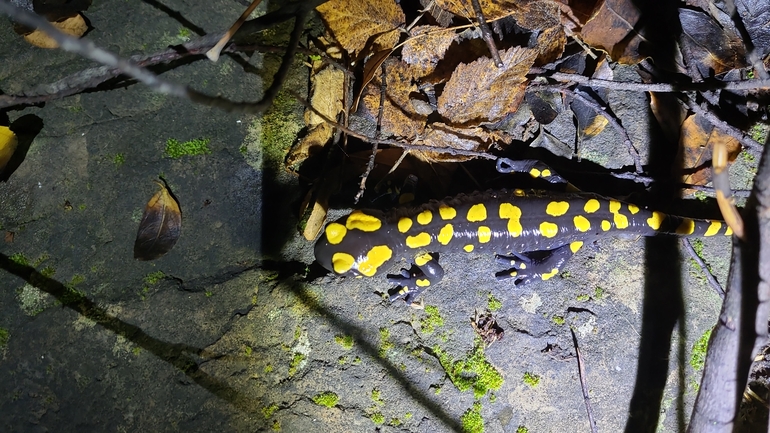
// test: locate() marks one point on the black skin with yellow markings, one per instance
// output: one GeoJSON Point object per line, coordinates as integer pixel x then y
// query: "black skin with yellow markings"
{"type": "Point", "coordinates": [539, 230]}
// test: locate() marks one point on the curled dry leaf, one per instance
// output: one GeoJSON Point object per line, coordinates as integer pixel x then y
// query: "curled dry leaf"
{"type": "Point", "coordinates": [160, 227]}
{"type": "Point", "coordinates": [426, 46]}
{"type": "Point", "coordinates": [611, 29]}
{"type": "Point", "coordinates": [357, 22]}
{"type": "Point", "coordinates": [481, 92]}
{"type": "Point", "coordinates": [8, 143]}
{"type": "Point", "coordinates": [697, 142]}
{"type": "Point", "coordinates": [73, 26]}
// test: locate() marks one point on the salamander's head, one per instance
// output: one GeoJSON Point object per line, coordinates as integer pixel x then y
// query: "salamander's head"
{"type": "Point", "coordinates": [354, 245]}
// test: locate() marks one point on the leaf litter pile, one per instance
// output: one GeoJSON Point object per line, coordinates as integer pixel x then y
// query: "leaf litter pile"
{"type": "Point", "coordinates": [448, 81]}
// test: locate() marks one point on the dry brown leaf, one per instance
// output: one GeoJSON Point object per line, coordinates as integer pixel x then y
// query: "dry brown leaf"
{"type": "Point", "coordinates": [426, 46]}
{"type": "Point", "coordinates": [326, 89]}
{"type": "Point", "coordinates": [697, 143]}
{"type": "Point", "coordinates": [492, 9]}
{"type": "Point", "coordinates": [445, 136]}
{"type": "Point", "coordinates": [482, 92]}
{"type": "Point", "coordinates": [312, 143]}
{"type": "Point", "coordinates": [399, 115]}
{"type": "Point", "coordinates": [355, 22]}
{"type": "Point", "coordinates": [74, 26]}
{"type": "Point", "coordinates": [160, 227]}
{"type": "Point", "coordinates": [8, 143]}
{"type": "Point", "coordinates": [611, 29]}
{"type": "Point", "coordinates": [714, 49]}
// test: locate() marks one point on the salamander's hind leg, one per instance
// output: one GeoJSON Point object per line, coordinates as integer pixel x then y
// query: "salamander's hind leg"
{"type": "Point", "coordinates": [412, 282]}
{"type": "Point", "coordinates": [531, 266]}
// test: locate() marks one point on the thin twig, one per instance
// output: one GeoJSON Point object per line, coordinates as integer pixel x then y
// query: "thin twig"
{"type": "Point", "coordinates": [583, 385]}
{"type": "Point", "coordinates": [722, 125]}
{"type": "Point", "coordinates": [602, 111]}
{"type": "Point", "coordinates": [89, 50]}
{"type": "Point", "coordinates": [213, 54]}
{"type": "Point", "coordinates": [486, 34]}
{"type": "Point", "coordinates": [709, 276]}
{"type": "Point", "coordinates": [655, 87]}
{"type": "Point", "coordinates": [377, 133]}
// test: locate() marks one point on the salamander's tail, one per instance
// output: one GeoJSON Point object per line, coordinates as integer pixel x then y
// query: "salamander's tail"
{"type": "Point", "coordinates": [687, 227]}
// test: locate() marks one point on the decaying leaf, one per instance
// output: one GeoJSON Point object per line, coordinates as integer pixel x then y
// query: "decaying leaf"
{"type": "Point", "coordinates": [160, 227]}
{"type": "Point", "coordinates": [611, 29]}
{"type": "Point", "coordinates": [8, 143]}
{"type": "Point", "coordinates": [714, 49]}
{"type": "Point", "coordinates": [756, 17]}
{"type": "Point", "coordinates": [73, 26]}
{"type": "Point", "coordinates": [448, 137]}
{"type": "Point", "coordinates": [697, 143]}
{"type": "Point", "coordinates": [426, 46]}
{"type": "Point", "coordinates": [399, 118]}
{"type": "Point", "coordinates": [356, 23]}
{"type": "Point", "coordinates": [481, 92]}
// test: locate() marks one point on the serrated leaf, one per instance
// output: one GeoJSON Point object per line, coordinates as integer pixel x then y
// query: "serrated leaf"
{"type": "Point", "coordinates": [160, 227]}
{"type": "Point", "coordinates": [426, 46]}
{"type": "Point", "coordinates": [481, 92]}
{"type": "Point", "coordinates": [355, 22]}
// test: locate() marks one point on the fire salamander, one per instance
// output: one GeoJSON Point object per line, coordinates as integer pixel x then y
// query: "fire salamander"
{"type": "Point", "coordinates": [540, 230]}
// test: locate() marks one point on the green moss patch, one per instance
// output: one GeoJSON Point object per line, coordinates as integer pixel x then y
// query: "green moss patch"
{"type": "Point", "coordinates": [531, 379]}
{"type": "Point", "coordinates": [699, 349]}
{"type": "Point", "coordinates": [177, 149]}
{"type": "Point", "coordinates": [4, 337]}
{"type": "Point", "coordinates": [472, 421]}
{"type": "Point", "coordinates": [474, 372]}
{"type": "Point", "coordinates": [327, 399]}
{"type": "Point", "coordinates": [346, 341]}
{"type": "Point", "coordinates": [433, 320]}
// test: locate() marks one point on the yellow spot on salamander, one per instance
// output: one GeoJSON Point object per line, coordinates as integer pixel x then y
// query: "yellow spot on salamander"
{"type": "Point", "coordinates": [374, 259]}
{"type": "Point", "coordinates": [422, 282]}
{"type": "Point", "coordinates": [606, 226]}
{"type": "Point", "coordinates": [633, 209]}
{"type": "Point", "coordinates": [545, 173]}
{"type": "Point", "coordinates": [513, 273]}
{"type": "Point", "coordinates": [424, 217]}
{"type": "Point", "coordinates": [729, 231]}
{"type": "Point", "coordinates": [713, 228]}
{"type": "Point", "coordinates": [549, 230]}
{"type": "Point", "coordinates": [342, 262]}
{"type": "Point", "coordinates": [591, 206]}
{"type": "Point", "coordinates": [405, 198]}
{"type": "Point", "coordinates": [447, 212]}
{"type": "Point", "coordinates": [582, 223]}
{"type": "Point", "coordinates": [534, 173]}
{"type": "Point", "coordinates": [621, 221]}
{"type": "Point", "coordinates": [686, 227]}
{"type": "Point", "coordinates": [574, 246]}
{"type": "Point", "coordinates": [557, 208]}
{"type": "Point", "coordinates": [419, 241]}
{"type": "Point", "coordinates": [364, 222]}
{"type": "Point", "coordinates": [519, 192]}
{"type": "Point", "coordinates": [656, 220]}
{"type": "Point", "coordinates": [404, 224]}
{"type": "Point", "coordinates": [549, 275]}
{"type": "Point", "coordinates": [422, 259]}
{"type": "Point", "coordinates": [335, 232]}
{"type": "Point", "coordinates": [477, 212]}
{"type": "Point", "coordinates": [445, 235]}
{"type": "Point", "coordinates": [485, 234]}
{"type": "Point", "coordinates": [521, 266]}
{"type": "Point", "coordinates": [468, 248]}
{"type": "Point", "coordinates": [512, 214]}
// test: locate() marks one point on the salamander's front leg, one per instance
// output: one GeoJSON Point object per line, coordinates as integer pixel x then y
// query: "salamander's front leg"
{"type": "Point", "coordinates": [411, 283]}
{"type": "Point", "coordinates": [534, 265]}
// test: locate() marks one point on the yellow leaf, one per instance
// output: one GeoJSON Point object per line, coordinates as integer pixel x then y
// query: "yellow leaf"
{"type": "Point", "coordinates": [355, 22]}
{"type": "Point", "coordinates": [73, 26]}
{"type": "Point", "coordinates": [8, 142]}
{"type": "Point", "coordinates": [160, 227]}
